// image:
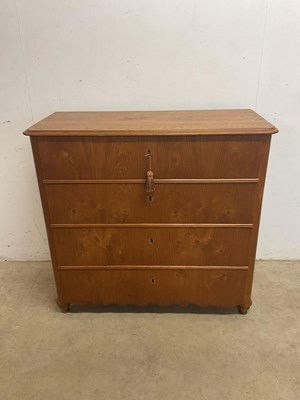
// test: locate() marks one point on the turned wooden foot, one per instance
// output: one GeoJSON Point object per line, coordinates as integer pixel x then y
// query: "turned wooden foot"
{"type": "Point", "coordinates": [64, 307]}
{"type": "Point", "coordinates": [243, 308]}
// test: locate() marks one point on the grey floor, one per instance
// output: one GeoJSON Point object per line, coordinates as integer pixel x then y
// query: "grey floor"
{"type": "Point", "coordinates": [148, 354]}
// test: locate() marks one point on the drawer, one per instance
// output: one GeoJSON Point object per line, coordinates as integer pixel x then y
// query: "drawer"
{"type": "Point", "coordinates": [172, 157]}
{"type": "Point", "coordinates": [152, 246]}
{"type": "Point", "coordinates": [152, 286]}
{"type": "Point", "coordinates": [171, 203]}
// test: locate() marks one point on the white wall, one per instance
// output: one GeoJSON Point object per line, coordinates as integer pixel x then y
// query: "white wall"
{"type": "Point", "coordinates": [146, 55]}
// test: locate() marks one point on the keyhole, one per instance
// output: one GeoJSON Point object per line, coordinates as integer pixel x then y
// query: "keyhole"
{"type": "Point", "coordinates": [152, 281]}
{"type": "Point", "coordinates": [151, 241]}
{"type": "Point", "coordinates": [150, 198]}
{"type": "Point", "coordinates": [148, 154]}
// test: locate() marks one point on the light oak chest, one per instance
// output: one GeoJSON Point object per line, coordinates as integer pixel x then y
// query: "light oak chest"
{"type": "Point", "coordinates": [190, 239]}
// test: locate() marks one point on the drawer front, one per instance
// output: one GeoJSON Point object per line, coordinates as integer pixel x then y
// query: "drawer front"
{"type": "Point", "coordinates": [148, 286]}
{"type": "Point", "coordinates": [152, 246]}
{"type": "Point", "coordinates": [172, 203]}
{"type": "Point", "coordinates": [172, 157]}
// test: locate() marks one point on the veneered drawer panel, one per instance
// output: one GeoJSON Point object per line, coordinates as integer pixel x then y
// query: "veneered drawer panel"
{"type": "Point", "coordinates": [152, 246]}
{"type": "Point", "coordinates": [172, 157]}
{"type": "Point", "coordinates": [171, 203]}
{"type": "Point", "coordinates": [163, 287]}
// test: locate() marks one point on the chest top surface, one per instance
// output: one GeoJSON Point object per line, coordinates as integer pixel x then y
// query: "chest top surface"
{"type": "Point", "coordinates": [156, 123]}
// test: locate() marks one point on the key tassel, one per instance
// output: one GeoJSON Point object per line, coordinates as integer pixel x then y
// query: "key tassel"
{"type": "Point", "coordinates": [150, 182]}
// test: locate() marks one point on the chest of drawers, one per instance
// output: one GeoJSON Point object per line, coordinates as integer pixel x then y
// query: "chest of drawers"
{"type": "Point", "coordinates": [187, 235]}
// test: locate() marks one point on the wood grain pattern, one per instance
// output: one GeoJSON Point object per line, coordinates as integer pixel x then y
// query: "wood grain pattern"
{"type": "Point", "coordinates": [172, 158]}
{"type": "Point", "coordinates": [171, 203]}
{"type": "Point", "coordinates": [194, 243]}
{"type": "Point", "coordinates": [38, 167]}
{"type": "Point", "coordinates": [200, 122]}
{"type": "Point", "coordinates": [256, 218]}
{"type": "Point", "coordinates": [163, 287]}
{"type": "Point", "coordinates": [152, 246]}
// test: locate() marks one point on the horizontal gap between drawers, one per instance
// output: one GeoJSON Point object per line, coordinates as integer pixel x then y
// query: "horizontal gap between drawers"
{"type": "Point", "coordinates": [139, 181]}
{"type": "Point", "coordinates": [151, 225]}
{"type": "Point", "coordinates": [177, 267]}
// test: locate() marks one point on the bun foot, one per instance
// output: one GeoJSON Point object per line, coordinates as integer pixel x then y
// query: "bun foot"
{"type": "Point", "coordinates": [64, 307]}
{"type": "Point", "coordinates": [243, 309]}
